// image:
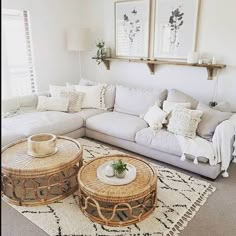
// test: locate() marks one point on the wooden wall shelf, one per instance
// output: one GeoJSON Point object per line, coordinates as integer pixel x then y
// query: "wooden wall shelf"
{"type": "Point", "coordinates": [151, 64]}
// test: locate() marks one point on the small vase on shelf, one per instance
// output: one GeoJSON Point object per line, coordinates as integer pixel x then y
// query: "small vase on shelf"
{"type": "Point", "coordinates": [108, 52]}
{"type": "Point", "coordinates": [213, 60]}
{"type": "Point", "coordinates": [192, 57]}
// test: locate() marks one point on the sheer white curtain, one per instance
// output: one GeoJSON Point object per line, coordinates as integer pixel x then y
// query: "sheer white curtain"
{"type": "Point", "coordinates": [18, 77]}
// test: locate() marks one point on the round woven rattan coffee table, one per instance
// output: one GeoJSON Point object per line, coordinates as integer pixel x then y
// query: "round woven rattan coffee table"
{"type": "Point", "coordinates": [30, 181]}
{"type": "Point", "coordinates": [117, 205]}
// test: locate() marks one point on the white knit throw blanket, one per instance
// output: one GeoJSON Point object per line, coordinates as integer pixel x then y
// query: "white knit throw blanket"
{"type": "Point", "coordinates": [218, 151]}
{"type": "Point", "coordinates": [197, 147]}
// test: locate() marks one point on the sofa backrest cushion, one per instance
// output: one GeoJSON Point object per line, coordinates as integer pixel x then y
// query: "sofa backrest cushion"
{"type": "Point", "coordinates": [110, 92]}
{"type": "Point", "coordinates": [170, 106]}
{"type": "Point", "coordinates": [175, 95]}
{"type": "Point", "coordinates": [136, 101]}
{"type": "Point", "coordinates": [55, 90]}
{"type": "Point", "coordinates": [210, 119]}
{"type": "Point", "coordinates": [87, 82]}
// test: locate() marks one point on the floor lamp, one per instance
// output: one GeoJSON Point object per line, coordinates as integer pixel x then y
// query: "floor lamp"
{"type": "Point", "coordinates": [78, 40]}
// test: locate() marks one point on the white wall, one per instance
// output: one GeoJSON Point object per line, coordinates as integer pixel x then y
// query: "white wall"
{"type": "Point", "coordinates": [216, 37]}
{"type": "Point", "coordinates": [49, 21]}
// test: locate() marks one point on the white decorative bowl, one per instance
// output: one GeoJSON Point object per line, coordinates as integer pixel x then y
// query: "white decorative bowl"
{"type": "Point", "coordinates": [129, 176]}
{"type": "Point", "coordinates": [42, 145]}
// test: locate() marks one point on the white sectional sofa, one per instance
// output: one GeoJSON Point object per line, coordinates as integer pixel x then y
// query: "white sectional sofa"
{"type": "Point", "coordinates": [121, 126]}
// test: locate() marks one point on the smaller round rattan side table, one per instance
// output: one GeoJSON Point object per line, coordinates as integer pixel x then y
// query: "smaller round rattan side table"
{"type": "Point", "coordinates": [31, 181]}
{"type": "Point", "coordinates": [117, 205]}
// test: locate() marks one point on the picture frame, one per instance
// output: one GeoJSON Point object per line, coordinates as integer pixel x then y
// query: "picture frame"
{"type": "Point", "coordinates": [175, 28]}
{"type": "Point", "coordinates": [132, 18]}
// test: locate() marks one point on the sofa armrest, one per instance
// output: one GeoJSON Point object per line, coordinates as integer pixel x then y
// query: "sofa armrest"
{"type": "Point", "coordinates": [223, 141]}
{"type": "Point", "coordinates": [26, 102]}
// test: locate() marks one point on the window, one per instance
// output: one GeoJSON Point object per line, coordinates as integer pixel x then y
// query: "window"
{"type": "Point", "coordinates": [18, 76]}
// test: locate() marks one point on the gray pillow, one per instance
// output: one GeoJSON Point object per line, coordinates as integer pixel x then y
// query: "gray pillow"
{"type": "Point", "coordinates": [210, 119]}
{"type": "Point", "coordinates": [136, 101]}
{"type": "Point", "coordinates": [175, 95]}
{"type": "Point", "coordinates": [223, 106]}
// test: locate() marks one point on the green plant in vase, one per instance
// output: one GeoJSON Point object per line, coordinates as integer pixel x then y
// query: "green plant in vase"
{"type": "Point", "coordinates": [101, 53]}
{"type": "Point", "coordinates": [120, 168]}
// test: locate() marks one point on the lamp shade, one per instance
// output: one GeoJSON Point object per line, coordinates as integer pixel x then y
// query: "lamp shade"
{"type": "Point", "coordinates": [78, 39]}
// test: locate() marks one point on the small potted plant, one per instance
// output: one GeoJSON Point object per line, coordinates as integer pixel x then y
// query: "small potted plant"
{"type": "Point", "coordinates": [101, 53]}
{"type": "Point", "coordinates": [120, 168]}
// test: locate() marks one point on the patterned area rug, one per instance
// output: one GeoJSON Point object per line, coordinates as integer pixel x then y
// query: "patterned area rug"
{"type": "Point", "coordinates": [179, 198]}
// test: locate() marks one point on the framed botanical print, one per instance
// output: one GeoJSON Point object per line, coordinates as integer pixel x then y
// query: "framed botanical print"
{"type": "Point", "coordinates": [175, 28]}
{"type": "Point", "coordinates": [132, 28]}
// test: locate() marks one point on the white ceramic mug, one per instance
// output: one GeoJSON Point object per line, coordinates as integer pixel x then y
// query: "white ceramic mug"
{"type": "Point", "coordinates": [42, 145]}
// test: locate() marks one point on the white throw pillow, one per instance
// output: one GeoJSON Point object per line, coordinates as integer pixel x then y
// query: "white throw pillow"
{"type": "Point", "coordinates": [94, 96]}
{"type": "Point", "coordinates": [110, 92]}
{"type": "Point", "coordinates": [75, 100]}
{"type": "Point", "coordinates": [184, 122]}
{"type": "Point", "coordinates": [170, 106]}
{"type": "Point", "coordinates": [155, 117]}
{"type": "Point", "coordinates": [55, 90]}
{"type": "Point", "coordinates": [52, 104]}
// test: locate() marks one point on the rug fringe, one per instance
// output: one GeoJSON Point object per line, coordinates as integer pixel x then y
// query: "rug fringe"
{"type": "Point", "coordinates": [183, 221]}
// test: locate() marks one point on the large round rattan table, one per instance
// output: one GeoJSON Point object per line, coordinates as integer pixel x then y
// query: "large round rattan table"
{"type": "Point", "coordinates": [117, 205]}
{"type": "Point", "coordinates": [30, 181]}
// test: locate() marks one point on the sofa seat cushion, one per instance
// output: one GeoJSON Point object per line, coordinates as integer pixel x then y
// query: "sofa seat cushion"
{"type": "Point", "coordinates": [55, 122]}
{"type": "Point", "coordinates": [10, 136]}
{"type": "Point", "coordinates": [87, 113]}
{"type": "Point", "coordinates": [117, 124]}
{"type": "Point", "coordinates": [161, 140]}
{"type": "Point", "coordinates": [164, 141]}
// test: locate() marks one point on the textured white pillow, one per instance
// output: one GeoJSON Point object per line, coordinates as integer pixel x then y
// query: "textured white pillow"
{"type": "Point", "coordinates": [52, 104]}
{"type": "Point", "coordinates": [155, 117]}
{"type": "Point", "coordinates": [170, 106]}
{"type": "Point", "coordinates": [75, 100]}
{"type": "Point", "coordinates": [184, 122]}
{"type": "Point", "coordinates": [55, 90]}
{"type": "Point", "coordinates": [94, 96]}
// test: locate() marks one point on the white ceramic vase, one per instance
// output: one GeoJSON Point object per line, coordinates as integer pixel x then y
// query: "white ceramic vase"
{"type": "Point", "coordinates": [109, 171]}
{"type": "Point", "coordinates": [192, 57]}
